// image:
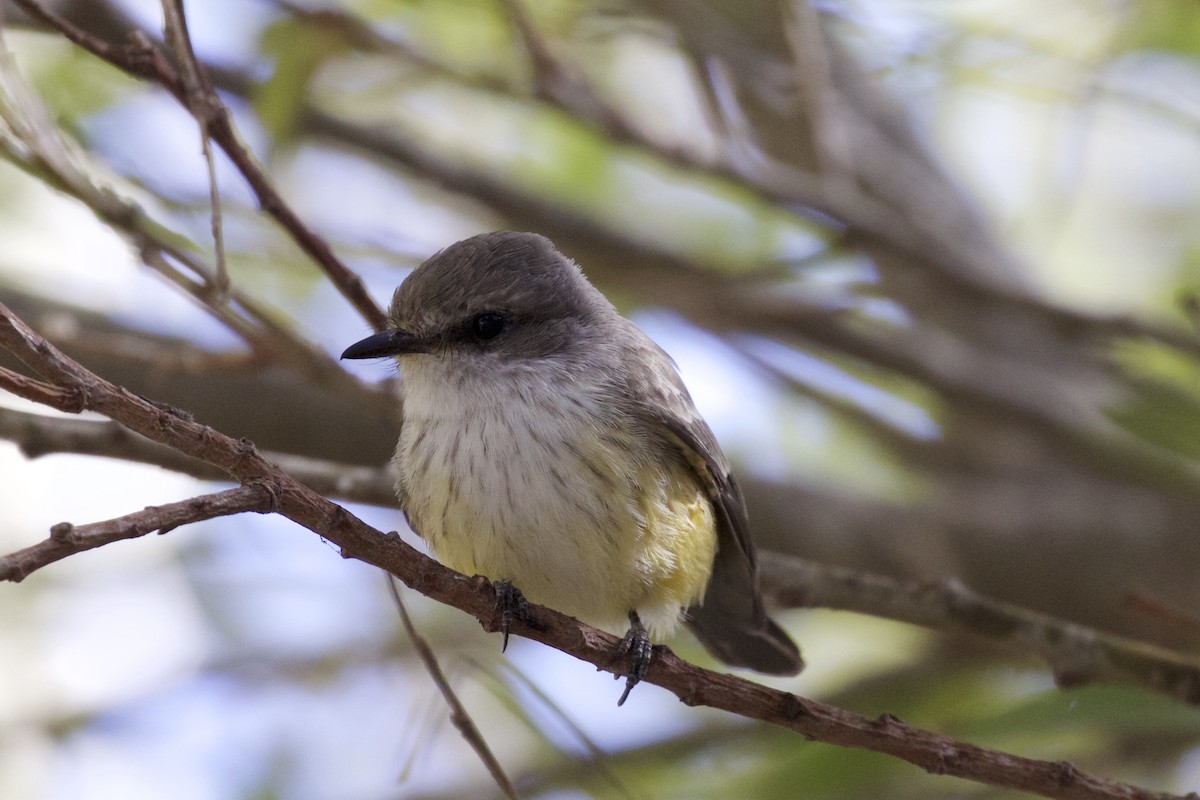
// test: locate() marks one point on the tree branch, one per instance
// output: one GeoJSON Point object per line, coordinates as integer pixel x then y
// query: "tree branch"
{"type": "Point", "coordinates": [67, 539]}
{"type": "Point", "coordinates": [40, 147]}
{"type": "Point", "coordinates": [204, 105]}
{"type": "Point", "coordinates": [38, 435]}
{"type": "Point", "coordinates": [140, 57]}
{"type": "Point", "coordinates": [291, 403]}
{"type": "Point", "coordinates": [1077, 654]}
{"type": "Point", "coordinates": [693, 685]}
{"type": "Point", "coordinates": [459, 717]}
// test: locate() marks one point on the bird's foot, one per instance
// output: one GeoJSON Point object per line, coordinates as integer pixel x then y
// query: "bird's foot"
{"type": "Point", "coordinates": [636, 644]}
{"type": "Point", "coordinates": [512, 605]}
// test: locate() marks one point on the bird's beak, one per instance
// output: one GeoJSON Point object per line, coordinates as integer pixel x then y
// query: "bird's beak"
{"type": "Point", "coordinates": [393, 342]}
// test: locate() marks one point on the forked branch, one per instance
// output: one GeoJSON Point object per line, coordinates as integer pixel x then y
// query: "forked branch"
{"type": "Point", "coordinates": [693, 685]}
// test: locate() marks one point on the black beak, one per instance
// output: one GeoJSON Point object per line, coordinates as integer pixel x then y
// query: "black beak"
{"type": "Point", "coordinates": [389, 343]}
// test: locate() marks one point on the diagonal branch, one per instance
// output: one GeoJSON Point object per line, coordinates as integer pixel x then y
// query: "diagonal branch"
{"type": "Point", "coordinates": [39, 391]}
{"type": "Point", "coordinates": [1077, 654]}
{"type": "Point", "coordinates": [458, 713]}
{"type": "Point", "coordinates": [693, 685]}
{"type": "Point", "coordinates": [140, 57]}
{"type": "Point", "coordinates": [38, 435]}
{"type": "Point", "coordinates": [40, 147]}
{"type": "Point", "coordinates": [67, 539]}
{"type": "Point", "coordinates": [202, 102]}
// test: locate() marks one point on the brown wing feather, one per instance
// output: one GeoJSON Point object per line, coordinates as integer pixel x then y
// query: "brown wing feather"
{"type": "Point", "coordinates": [731, 623]}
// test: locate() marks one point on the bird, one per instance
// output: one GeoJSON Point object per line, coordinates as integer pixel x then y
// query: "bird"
{"type": "Point", "coordinates": [551, 446]}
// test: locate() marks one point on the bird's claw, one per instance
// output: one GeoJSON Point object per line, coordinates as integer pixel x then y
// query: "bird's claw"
{"type": "Point", "coordinates": [636, 644]}
{"type": "Point", "coordinates": [512, 605]}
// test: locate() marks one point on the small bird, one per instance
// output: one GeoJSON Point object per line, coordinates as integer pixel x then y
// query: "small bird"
{"type": "Point", "coordinates": [549, 445]}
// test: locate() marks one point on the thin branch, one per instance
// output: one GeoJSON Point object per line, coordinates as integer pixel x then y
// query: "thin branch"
{"type": "Point", "coordinates": [40, 391]}
{"type": "Point", "coordinates": [458, 713]}
{"type": "Point", "coordinates": [806, 37]}
{"type": "Point", "coordinates": [914, 449]}
{"type": "Point", "coordinates": [202, 102]}
{"type": "Point", "coordinates": [693, 685]}
{"type": "Point", "coordinates": [1077, 655]}
{"type": "Point", "coordinates": [596, 756]}
{"type": "Point", "coordinates": [42, 147]}
{"type": "Point", "coordinates": [67, 539]}
{"type": "Point", "coordinates": [779, 184]}
{"type": "Point", "coordinates": [1063, 409]}
{"type": "Point", "coordinates": [141, 58]}
{"type": "Point", "coordinates": [38, 435]}
{"type": "Point", "coordinates": [564, 85]}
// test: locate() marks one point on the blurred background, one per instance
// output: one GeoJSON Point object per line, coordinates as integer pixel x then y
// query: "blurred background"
{"type": "Point", "coordinates": [931, 269]}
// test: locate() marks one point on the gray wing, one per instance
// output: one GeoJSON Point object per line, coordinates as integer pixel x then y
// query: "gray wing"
{"type": "Point", "coordinates": [731, 623]}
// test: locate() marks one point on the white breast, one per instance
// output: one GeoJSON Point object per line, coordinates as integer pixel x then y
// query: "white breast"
{"type": "Point", "coordinates": [544, 484]}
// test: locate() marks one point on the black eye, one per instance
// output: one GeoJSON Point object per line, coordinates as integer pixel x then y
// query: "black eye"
{"type": "Point", "coordinates": [488, 325]}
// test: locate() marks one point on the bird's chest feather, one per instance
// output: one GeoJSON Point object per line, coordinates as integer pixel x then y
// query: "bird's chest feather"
{"type": "Point", "coordinates": [510, 477]}
{"type": "Point", "coordinates": [543, 485]}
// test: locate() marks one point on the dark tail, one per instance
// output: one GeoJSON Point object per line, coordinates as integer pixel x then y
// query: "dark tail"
{"type": "Point", "coordinates": [732, 624]}
{"type": "Point", "coordinates": [764, 647]}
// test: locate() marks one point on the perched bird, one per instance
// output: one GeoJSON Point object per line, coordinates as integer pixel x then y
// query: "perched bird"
{"type": "Point", "coordinates": [550, 445]}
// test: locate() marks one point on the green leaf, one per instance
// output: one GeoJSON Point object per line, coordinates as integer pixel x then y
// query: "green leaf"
{"type": "Point", "coordinates": [1170, 25]}
{"type": "Point", "coordinates": [299, 48]}
{"type": "Point", "coordinates": [1161, 405]}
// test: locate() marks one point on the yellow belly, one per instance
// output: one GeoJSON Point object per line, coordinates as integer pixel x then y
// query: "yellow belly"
{"type": "Point", "coordinates": [591, 526]}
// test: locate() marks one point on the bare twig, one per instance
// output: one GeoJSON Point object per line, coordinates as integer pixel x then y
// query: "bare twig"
{"type": "Point", "coordinates": [562, 83]}
{"type": "Point", "coordinates": [202, 102]}
{"type": "Point", "coordinates": [38, 435]}
{"type": "Point", "coordinates": [885, 431]}
{"type": "Point", "coordinates": [813, 73]}
{"type": "Point", "coordinates": [694, 686]}
{"type": "Point", "coordinates": [1077, 655]}
{"type": "Point", "coordinates": [141, 58]}
{"type": "Point", "coordinates": [596, 757]}
{"type": "Point", "coordinates": [67, 539]}
{"type": "Point", "coordinates": [1067, 410]}
{"type": "Point", "coordinates": [43, 147]}
{"type": "Point", "coordinates": [458, 713]}
{"type": "Point", "coordinates": [40, 391]}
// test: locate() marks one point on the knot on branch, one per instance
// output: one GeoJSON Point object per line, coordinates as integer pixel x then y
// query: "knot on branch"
{"type": "Point", "coordinates": [166, 411]}
{"type": "Point", "coordinates": [142, 57]}
{"type": "Point", "coordinates": [62, 532]}
{"type": "Point", "coordinates": [887, 720]}
{"type": "Point", "coordinates": [942, 760]}
{"type": "Point", "coordinates": [1065, 773]}
{"type": "Point", "coordinates": [246, 450]}
{"type": "Point", "coordinates": [792, 708]}
{"type": "Point", "coordinates": [75, 398]}
{"type": "Point", "coordinates": [209, 109]}
{"type": "Point", "coordinates": [121, 212]}
{"type": "Point", "coordinates": [271, 490]}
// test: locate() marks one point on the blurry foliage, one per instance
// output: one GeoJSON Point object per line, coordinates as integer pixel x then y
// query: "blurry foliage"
{"type": "Point", "coordinates": [1169, 25]}
{"type": "Point", "coordinates": [293, 681]}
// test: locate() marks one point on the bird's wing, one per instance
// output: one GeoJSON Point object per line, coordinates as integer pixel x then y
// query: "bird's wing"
{"type": "Point", "coordinates": [731, 623]}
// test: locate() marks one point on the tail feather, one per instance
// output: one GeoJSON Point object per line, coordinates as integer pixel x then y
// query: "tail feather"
{"type": "Point", "coordinates": [763, 647]}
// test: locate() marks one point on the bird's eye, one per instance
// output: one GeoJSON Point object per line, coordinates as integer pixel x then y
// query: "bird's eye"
{"type": "Point", "coordinates": [488, 325]}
